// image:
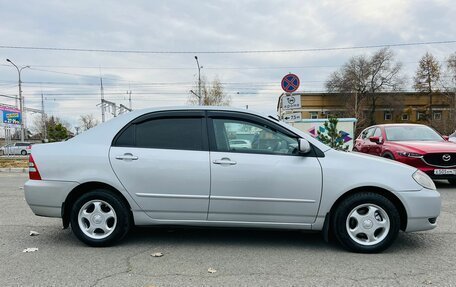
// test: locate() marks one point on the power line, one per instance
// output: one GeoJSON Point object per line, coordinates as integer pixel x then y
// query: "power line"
{"type": "Point", "coordinates": [228, 51]}
{"type": "Point", "coordinates": [189, 68]}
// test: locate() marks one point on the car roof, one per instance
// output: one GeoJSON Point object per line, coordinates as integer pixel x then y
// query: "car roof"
{"type": "Point", "coordinates": [104, 132]}
{"type": "Point", "coordinates": [186, 108]}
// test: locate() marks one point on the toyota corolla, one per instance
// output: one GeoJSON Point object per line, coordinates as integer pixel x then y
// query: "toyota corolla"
{"type": "Point", "coordinates": [178, 166]}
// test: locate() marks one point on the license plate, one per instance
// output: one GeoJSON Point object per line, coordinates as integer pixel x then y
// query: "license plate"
{"type": "Point", "coordinates": [445, 171]}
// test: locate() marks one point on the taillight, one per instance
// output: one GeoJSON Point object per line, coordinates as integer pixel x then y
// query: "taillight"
{"type": "Point", "coordinates": [29, 147]}
{"type": "Point", "coordinates": [33, 169]}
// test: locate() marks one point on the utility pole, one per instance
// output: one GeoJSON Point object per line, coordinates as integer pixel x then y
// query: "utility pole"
{"type": "Point", "coordinates": [199, 80]}
{"type": "Point", "coordinates": [102, 101]}
{"type": "Point", "coordinates": [129, 99]}
{"type": "Point", "coordinates": [21, 99]}
{"type": "Point", "coordinates": [43, 117]}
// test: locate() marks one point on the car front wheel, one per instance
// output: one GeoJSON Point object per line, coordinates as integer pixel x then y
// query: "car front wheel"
{"type": "Point", "coordinates": [366, 222]}
{"type": "Point", "coordinates": [100, 218]}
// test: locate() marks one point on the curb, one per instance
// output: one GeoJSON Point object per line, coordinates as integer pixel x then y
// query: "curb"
{"type": "Point", "coordinates": [14, 170]}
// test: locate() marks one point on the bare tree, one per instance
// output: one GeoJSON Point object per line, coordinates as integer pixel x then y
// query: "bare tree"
{"type": "Point", "coordinates": [87, 121]}
{"type": "Point", "coordinates": [362, 79]}
{"type": "Point", "coordinates": [449, 90]}
{"type": "Point", "coordinates": [427, 78]}
{"type": "Point", "coordinates": [57, 129]}
{"type": "Point", "coordinates": [211, 95]}
{"type": "Point", "coordinates": [427, 75]}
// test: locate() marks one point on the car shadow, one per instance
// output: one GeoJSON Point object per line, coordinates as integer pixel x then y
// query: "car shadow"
{"type": "Point", "coordinates": [228, 237]}
{"type": "Point", "coordinates": [443, 184]}
{"type": "Point", "coordinates": [286, 240]}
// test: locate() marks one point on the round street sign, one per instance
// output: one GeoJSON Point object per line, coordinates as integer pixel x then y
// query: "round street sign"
{"type": "Point", "coordinates": [290, 83]}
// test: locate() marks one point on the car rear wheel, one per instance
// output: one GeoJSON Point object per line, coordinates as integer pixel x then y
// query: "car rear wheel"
{"type": "Point", "coordinates": [100, 218]}
{"type": "Point", "coordinates": [452, 181]}
{"type": "Point", "coordinates": [388, 155]}
{"type": "Point", "coordinates": [366, 222]}
{"type": "Point", "coordinates": [23, 152]}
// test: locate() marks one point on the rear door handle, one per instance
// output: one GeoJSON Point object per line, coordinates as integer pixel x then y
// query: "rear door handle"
{"type": "Point", "coordinates": [126, 156]}
{"type": "Point", "coordinates": [224, 161]}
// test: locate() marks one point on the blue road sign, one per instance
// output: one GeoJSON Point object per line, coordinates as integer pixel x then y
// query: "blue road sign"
{"type": "Point", "coordinates": [290, 83]}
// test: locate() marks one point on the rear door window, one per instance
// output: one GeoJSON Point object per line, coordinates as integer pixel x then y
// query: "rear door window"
{"type": "Point", "coordinates": [183, 133]}
{"type": "Point", "coordinates": [170, 133]}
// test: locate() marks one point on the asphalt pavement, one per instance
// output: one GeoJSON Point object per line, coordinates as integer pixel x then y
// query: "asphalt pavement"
{"type": "Point", "coordinates": [240, 257]}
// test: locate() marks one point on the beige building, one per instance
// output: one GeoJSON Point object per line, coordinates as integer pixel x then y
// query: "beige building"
{"type": "Point", "coordinates": [402, 107]}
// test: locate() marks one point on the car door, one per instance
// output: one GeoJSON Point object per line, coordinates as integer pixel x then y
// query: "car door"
{"type": "Point", "coordinates": [162, 160]}
{"type": "Point", "coordinates": [376, 148]}
{"type": "Point", "coordinates": [267, 182]}
{"type": "Point", "coordinates": [15, 149]}
{"type": "Point", "coordinates": [365, 142]}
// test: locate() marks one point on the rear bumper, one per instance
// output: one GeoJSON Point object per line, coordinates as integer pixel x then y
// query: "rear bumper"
{"type": "Point", "coordinates": [423, 208]}
{"type": "Point", "coordinates": [45, 197]}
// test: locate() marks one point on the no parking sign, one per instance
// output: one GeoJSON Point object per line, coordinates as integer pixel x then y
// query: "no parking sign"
{"type": "Point", "coordinates": [290, 83]}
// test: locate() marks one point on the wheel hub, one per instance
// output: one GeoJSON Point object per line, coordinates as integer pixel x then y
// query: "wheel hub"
{"type": "Point", "coordinates": [97, 219]}
{"type": "Point", "coordinates": [367, 224]}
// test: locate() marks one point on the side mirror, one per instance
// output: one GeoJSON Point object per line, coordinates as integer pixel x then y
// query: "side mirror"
{"type": "Point", "coordinates": [377, 140]}
{"type": "Point", "coordinates": [446, 138]}
{"type": "Point", "coordinates": [304, 146]}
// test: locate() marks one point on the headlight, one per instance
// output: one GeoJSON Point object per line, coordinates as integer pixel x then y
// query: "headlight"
{"type": "Point", "coordinates": [424, 180]}
{"type": "Point", "coordinates": [409, 154]}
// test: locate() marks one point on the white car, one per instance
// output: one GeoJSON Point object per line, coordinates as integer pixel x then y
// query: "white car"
{"type": "Point", "coordinates": [240, 144]}
{"type": "Point", "coordinates": [174, 166]}
{"type": "Point", "coordinates": [452, 137]}
{"type": "Point", "coordinates": [19, 148]}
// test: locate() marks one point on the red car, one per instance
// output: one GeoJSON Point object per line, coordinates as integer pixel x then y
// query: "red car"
{"type": "Point", "coordinates": [416, 145]}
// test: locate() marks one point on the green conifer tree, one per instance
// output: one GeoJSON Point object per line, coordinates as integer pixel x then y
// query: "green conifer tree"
{"type": "Point", "coordinates": [332, 136]}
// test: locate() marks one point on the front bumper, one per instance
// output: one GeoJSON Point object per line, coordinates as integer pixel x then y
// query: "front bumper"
{"type": "Point", "coordinates": [435, 177]}
{"type": "Point", "coordinates": [420, 164]}
{"type": "Point", "coordinates": [422, 207]}
{"type": "Point", "coordinates": [45, 197]}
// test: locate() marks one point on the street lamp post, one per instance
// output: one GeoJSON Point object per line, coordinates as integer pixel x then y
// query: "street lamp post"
{"type": "Point", "coordinates": [21, 99]}
{"type": "Point", "coordinates": [199, 80]}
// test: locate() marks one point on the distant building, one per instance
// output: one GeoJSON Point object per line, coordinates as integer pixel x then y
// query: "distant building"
{"type": "Point", "coordinates": [398, 107]}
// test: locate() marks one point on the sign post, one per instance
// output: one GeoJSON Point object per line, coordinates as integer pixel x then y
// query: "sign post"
{"type": "Point", "coordinates": [290, 83]}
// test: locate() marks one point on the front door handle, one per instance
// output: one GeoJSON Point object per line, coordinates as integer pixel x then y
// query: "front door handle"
{"type": "Point", "coordinates": [224, 161]}
{"type": "Point", "coordinates": [126, 156]}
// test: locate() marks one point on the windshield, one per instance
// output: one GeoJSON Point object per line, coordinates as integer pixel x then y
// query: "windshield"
{"type": "Point", "coordinates": [412, 133]}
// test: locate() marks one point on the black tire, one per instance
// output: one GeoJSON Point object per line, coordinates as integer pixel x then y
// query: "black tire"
{"type": "Point", "coordinates": [452, 181]}
{"type": "Point", "coordinates": [340, 223]}
{"type": "Point", "coordinates": [23, 152]}
{"type": "Point", "coordinates": [388, 156]}
{"type": "Point", "coordinates": [120, 224]}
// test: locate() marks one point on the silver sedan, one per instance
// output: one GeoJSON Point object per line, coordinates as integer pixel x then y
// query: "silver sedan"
{"type": "Point", "coordinates": [176, 166]}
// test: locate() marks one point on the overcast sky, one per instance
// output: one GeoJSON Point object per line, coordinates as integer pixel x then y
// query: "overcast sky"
{"type": "Point", "coordinates": [70, 80]}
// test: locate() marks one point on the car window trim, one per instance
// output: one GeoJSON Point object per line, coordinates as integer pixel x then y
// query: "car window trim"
{"type": "Point", "coordinates": [163, 115]}
{"type": "Point", "coordinates": [315, 152]}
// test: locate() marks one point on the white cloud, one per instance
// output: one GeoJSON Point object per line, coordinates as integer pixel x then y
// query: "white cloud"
{"type": "Point", "coordinates": [202, 26]}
